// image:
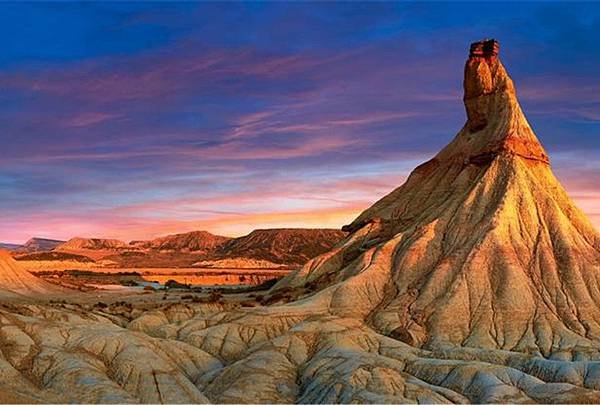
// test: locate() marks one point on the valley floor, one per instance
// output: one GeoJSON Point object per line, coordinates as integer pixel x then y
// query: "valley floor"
{"type": "Point", "coordinates": [89, 279]}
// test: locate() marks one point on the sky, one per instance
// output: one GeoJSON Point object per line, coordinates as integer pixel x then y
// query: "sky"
{"type": "Point", "coordinates": [135, 120]}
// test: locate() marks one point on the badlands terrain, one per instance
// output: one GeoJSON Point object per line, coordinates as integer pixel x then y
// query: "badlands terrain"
{"type": "Point", "coordinates": [477, 280]}
{"type": "Point", "coordinates": [261, 248]}
{"type": "Point", "coordinates": [196, 258]}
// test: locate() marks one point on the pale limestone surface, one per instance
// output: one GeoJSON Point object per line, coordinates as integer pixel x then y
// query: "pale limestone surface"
{"type": "Point", "coordinates": [475, 281]}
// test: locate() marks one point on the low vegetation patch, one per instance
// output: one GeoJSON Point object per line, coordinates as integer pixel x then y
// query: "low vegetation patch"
{"type": "Point", "coordinates": [53, 256]}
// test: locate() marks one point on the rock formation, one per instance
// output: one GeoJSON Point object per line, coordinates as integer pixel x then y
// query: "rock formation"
{"type": "Point", "coordinates": [475, 281]}
{"type": "Point", "coordinates": [15, 279]}
{"type": "Point", "coordinates": [481, 246]}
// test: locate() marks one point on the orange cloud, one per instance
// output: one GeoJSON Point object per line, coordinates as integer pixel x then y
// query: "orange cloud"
{"type": "Point", "coordinates": [237, 225]}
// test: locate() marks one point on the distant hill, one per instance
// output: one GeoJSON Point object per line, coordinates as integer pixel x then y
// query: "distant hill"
{"type": "Point", "coordinates": [39, 245]}
{"type": "Point", "coordinates": [262, 248]}
{"type": "Point", "coordinates": [92, 244]}
{"type": "Point", "coordinates": [197, 241]}
{"type": "Point", "coordinates": [33, 245]}
{"type": "Point", "coordinates": [93, 248]}
{"type": "Point", "coordinates": [9, 246]}
{"type": "Point", "coordinates": [288, 246]}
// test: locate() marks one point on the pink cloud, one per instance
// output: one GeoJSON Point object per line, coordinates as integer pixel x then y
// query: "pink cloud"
{"type": "Point", "coordinates": [282, 120]}
{"type": "Point", "coordinates": [155, 74]}
{"type": "Point", "coordinates": [307, 203]}
{"type": "Point", "coordinates": [232, 150]}
{"type": "Point", "coordinates": [88, 118]}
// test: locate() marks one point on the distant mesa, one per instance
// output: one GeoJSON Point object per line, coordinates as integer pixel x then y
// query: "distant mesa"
{"type": "Point", "coordinates": [39, 245]}
{"type": "Point", "coordinates": [92, 244]}
{"type": "Point", "coordinates": [196, 241]}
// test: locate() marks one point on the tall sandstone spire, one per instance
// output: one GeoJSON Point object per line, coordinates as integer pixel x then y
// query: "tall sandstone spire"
{"type": "Point", "coordinates": [480, 247]}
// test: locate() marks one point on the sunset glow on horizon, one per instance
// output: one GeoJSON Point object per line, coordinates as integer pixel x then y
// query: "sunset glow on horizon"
{"type": "Point", "coordinates": [137, 120]}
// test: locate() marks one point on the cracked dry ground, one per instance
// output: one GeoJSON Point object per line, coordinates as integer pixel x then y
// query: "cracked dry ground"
{"type": "Point", "coordinates": [201, 353]}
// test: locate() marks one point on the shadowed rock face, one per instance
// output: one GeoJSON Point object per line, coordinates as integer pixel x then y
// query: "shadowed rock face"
{"type": "Point", "coordinates": [475, 281]}
{"type": "Point", "coordinates": [290, 247]}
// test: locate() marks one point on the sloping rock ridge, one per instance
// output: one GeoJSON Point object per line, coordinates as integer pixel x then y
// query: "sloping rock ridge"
{"type": "Point", "coordinates": [286, 246]}
{"type": "Point", "coordinates": [477, 281]}
{"type": "Point", "coordinates": [197, 241]}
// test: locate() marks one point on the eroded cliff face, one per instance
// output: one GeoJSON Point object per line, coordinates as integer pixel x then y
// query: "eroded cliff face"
{"type": "Point", "coordinates": [475, 281]}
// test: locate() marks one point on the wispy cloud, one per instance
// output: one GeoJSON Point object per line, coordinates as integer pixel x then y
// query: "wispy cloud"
{"type": "Point", "coordinates": [88, 118]}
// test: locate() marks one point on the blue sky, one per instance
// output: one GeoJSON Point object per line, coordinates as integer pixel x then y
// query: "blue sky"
{"type": "Point", "coordinates": [133, 120]}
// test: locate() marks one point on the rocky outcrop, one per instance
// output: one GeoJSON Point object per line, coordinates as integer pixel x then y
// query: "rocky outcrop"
{"type": "Point", "coordinates": [49, 355]}
{"type": "Point", "coordinates": [490, 99]}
